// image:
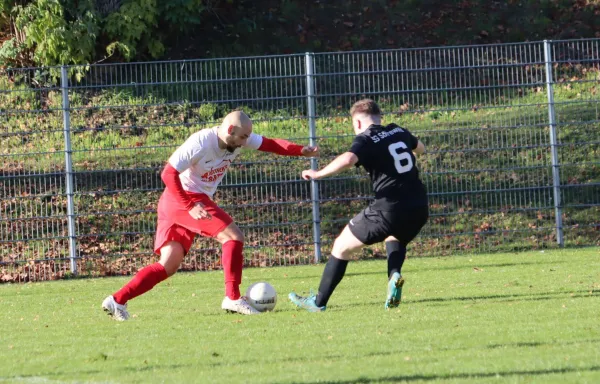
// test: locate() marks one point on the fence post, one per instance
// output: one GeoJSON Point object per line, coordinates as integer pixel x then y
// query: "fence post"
{"type": "Point", "coordinates": [314, 186]}
{"type": "Point", "coordinates": [64, 77]}
{"type": "Point", "coordinates": [553, 143]}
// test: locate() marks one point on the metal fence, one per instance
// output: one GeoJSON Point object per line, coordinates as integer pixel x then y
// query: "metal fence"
{"type": "Point", "coordinates": [511, 131]}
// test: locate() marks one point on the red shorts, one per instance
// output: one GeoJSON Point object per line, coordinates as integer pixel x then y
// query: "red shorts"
{"type": "Point", "coordinates": [176, 224]}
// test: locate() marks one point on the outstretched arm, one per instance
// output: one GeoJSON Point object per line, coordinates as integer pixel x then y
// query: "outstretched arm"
{"type": "Point", "coordinates": [287, 148]}
{"type": "Point", "coordinates": [344, 161]}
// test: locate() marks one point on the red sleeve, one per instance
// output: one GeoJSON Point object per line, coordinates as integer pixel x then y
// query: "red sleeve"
{"type": "Point", "coordinates": [280, 147]}
{"type": "Point", "coordinates": [170, 176]}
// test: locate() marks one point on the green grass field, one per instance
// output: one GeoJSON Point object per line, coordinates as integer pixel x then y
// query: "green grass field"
{"type": "Point", "coordinates": [518, 318]}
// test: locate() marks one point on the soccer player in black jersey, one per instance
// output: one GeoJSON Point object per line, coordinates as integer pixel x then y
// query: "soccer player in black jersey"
{"type": "Point", "coordinates": [397, 214]}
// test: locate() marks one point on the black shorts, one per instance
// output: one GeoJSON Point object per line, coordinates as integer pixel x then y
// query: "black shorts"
{"type": "Point", "coordinates": [372, 226]}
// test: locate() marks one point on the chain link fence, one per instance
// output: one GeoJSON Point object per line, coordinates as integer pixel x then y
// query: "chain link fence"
{"type": "Point", "coordinates": [511, 131]}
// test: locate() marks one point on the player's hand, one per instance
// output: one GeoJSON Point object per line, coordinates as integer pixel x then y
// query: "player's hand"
{"type": "Point", "coordinates": [198, 212]}
{"type": "Point", "coordinates": [309, 151]}
{"type": "Point", "coordinates": [309, 174]}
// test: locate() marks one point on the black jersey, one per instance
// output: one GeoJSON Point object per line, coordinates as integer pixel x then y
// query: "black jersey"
{"type": "Point", "coordinates": [386, 154]}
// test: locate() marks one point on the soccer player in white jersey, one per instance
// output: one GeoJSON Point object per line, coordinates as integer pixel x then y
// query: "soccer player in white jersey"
{"type": "Point", "coordinates": [186, 208]}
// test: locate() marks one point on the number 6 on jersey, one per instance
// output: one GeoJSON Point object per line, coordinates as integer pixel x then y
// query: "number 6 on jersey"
{"type": "Point", "coordinates": [398, 157]}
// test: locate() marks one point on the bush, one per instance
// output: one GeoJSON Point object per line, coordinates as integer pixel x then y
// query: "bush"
{"type": "Point", "coordinates": [57, 33]}
{"type": "Point", "coordinates": [65, 32]}
{"type": "Point", "coordinates": [131, 29]}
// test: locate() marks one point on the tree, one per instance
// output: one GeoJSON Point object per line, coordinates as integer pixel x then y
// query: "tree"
{"type": "Point", "coordinates": [65, 32]}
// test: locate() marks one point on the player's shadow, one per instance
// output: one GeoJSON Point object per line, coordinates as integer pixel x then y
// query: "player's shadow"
{"type": "Point", "coordinates": [301, 359]}
{"type": "Point", "coordinates": [498, 265]}
{"type": "Point", "coordinates": [153, 367]}
{"type": "Point", "coordinates": [506, 297]}
{"type": "Point", "coordinates": [461, 375]}
{"type": "Point", "coordinates": [308, 359]}
{"type": "Point", "coordinates": [42, 377]}
{"type": "Point", "coordinates": [535, 344]}
{"type": "Point", "coordinates": [149, 367]}
{"type": "Point", "coordinates": [491, 346]}
{"type": "Point", "coordinates": [283, 305]}
{"type": "Point", "coordinates": [453, 267]}
{"type": "Point", "coordinates": [482, 298]}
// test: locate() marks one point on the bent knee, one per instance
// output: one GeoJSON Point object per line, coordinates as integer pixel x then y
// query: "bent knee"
{"type": "Point", "coordinates": [391, 238]}
{"type": "Point", "coordinates": [170, 270]}
{"type": "Point", "coordinates": [233, 232]}
{"type": "Point", "coordinates": [233, 236]}
{"type": "Point", "coordinates": [341, 250]}
{"type": "Point", "coordinates": [171, 256]}
{"type": "Point", "coordinates": [170, 265]}
{"type": "Point", "coordinates": [238, 236]}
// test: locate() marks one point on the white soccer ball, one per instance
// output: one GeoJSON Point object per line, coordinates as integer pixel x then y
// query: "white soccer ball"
{"type": "Point", "coordinates": [261, 296]}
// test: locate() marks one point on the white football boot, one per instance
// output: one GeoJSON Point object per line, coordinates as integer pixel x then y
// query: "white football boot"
{"type": "Point", "coordinates": [240, 306]}
{"type": "Point", "coordinates": [114, 309]}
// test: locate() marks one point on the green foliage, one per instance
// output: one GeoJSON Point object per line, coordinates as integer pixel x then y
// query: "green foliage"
{"type": "Point", "coordinates": [9, 52]}
{"type": "Point", "coordinates": [63, 32]}
{"type": "Point", "coordinates": [57, 33]}
{"type": "Point", "coordinates": [181, 14]}
{"type": "Point", "coordinates": [139, 29]}
{"type": "Point", "coordinates": [20, 97]}
{"type": "Point", "coordinates": [207, 111]}
{"type": "Point", "coordinates": [6, 7]}
{"type": "Point", "coordinates": [131, 29]}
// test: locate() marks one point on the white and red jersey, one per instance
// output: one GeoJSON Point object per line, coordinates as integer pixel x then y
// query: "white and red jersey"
{"type": "Point", "coordinates": [202, 164]}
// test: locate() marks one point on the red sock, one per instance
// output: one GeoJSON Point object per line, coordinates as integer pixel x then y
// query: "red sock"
{"type": "Point", "coordinates": [233, 261]}
{"type": "Point", "coordinates": [142, 282]}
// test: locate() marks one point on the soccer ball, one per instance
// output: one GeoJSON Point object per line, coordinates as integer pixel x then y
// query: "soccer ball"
{"type": "Point", "coordinates": [261, 296]}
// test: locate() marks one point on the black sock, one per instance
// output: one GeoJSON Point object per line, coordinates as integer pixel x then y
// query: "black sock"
{"type": "Point", "coordinates": [332, 275]}
{"type": "Point", "coordinates": [396, 253]}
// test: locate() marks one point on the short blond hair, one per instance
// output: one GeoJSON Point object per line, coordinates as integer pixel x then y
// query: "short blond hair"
{"type": "Point", "coordinates": [366, 106]}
